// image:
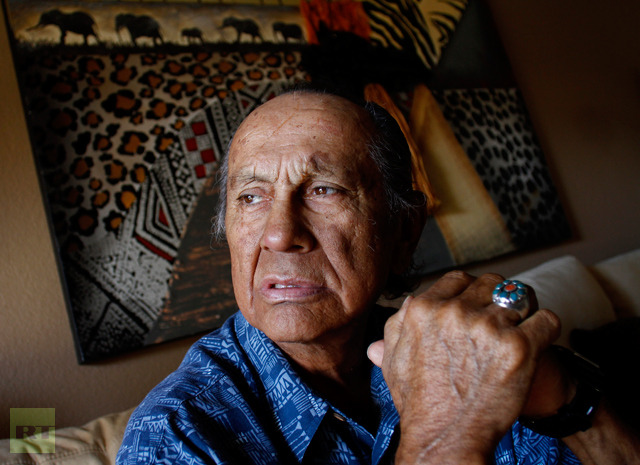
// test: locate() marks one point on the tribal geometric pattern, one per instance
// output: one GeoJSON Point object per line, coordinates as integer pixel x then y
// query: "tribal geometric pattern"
{"type": "Point", "coordinates": [118, 247]}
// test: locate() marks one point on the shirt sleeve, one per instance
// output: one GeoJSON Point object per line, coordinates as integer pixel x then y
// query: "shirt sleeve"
{"type": "Point", "coordinates": [167, 439]}
{"type": "Point", "coordinates": [212, 427]}
{"type": "Point", "coordinates": [142, 439]}
{"type": "Point", "coordinates": [524, 447]}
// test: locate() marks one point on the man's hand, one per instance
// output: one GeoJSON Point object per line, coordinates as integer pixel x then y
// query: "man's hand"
{"type": "Point", "coordinates": [460, 369]}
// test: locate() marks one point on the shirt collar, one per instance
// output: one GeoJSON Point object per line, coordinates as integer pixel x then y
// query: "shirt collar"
{"type": "Point", "coordinates": [297, 409]}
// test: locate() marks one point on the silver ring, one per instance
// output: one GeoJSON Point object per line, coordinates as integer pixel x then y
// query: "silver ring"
{"type": "Point", "coordinates": [511, 294]}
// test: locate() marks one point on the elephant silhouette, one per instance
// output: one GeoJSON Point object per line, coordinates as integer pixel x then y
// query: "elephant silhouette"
{"type": "Point", "coordinates": [192, 35]}
{"type": "Point", "coordinates": [77, 22]}
{"type": "Point", "coordinates": [288, 31]}
{"type": "Point", "coordinates": [139, 26]}
{"type": "Point", "coordinates": [243, 26]}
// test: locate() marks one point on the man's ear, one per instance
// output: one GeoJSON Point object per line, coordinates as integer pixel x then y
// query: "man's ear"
{"type": "Point", "coordinates": [408, 231]}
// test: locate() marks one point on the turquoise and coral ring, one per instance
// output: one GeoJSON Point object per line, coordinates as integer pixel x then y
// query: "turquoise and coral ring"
{"type": "Point", "coordinates": [511, 294]}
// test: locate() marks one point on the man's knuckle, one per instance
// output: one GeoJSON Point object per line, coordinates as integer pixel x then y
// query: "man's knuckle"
{"type": "Point", "coordinates": [517, 350]}
{"type": "Point", "coordinates": [458, 275]}
{"type": "Point", "coordinates": [488, 327]}
{"type": "Point", "coordinates": [553, 319]}
{"type": "Point", "coordinates": [492, 278]}
{"type": "Point", "coordinates": [418, 316]}
{"type": "Point", "coordinates": [392, 325]}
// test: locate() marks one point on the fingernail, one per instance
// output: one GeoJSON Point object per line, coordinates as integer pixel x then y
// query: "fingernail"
{"type": "Point", "coordinates": [407, 300]}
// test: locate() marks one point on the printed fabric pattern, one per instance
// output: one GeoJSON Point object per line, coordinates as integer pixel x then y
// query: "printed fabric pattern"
{"type": "Point", "coordinates": [236, 399]}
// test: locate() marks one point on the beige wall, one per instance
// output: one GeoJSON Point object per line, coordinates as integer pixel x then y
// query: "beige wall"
{"type": "Point", "coordinates": [38, 366]}
{"type": "Point", "coordinates": [579, 68]}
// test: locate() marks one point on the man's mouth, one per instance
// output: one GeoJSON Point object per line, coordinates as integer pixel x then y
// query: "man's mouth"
{"type": "Point", "coordinates": [279, 290]}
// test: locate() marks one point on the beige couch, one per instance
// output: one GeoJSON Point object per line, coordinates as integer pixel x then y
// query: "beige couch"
{"type": "Point", "coordinates": [584, 297]}
{"type": "Point", "coordinates": [95, 443]}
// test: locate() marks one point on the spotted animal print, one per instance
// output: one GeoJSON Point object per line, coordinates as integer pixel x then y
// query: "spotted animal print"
{"type": "Point", "coordinates": [125, 143]}
{"type": "Point", "coordinates": [494, 129]}
{"type": "Point", "coordinates": [100, 122]}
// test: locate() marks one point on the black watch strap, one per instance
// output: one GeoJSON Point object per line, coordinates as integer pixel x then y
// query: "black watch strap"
{"type": "Point", "coordinates": [578, 414]}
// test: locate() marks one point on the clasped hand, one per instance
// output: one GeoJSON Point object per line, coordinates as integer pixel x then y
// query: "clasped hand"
{"type": "Point", "coordinates": [461, 369]}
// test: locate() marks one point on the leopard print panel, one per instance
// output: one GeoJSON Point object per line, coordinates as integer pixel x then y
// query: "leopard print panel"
{"type": "Point", "coordinates": [100, 122]}
{"type": "Point", "coordinates": [495, 131]}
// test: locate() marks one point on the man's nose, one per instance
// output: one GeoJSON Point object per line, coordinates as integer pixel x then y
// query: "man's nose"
{"type": "Point", "coordinates": [286, 228]}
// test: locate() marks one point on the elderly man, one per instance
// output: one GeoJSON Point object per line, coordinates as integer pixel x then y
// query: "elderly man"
{"type": "Point", "coordinates": [320, 219]}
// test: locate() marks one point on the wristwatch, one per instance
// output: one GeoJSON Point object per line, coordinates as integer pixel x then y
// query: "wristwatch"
{"type": "Point", "coordinates": [578, 414]}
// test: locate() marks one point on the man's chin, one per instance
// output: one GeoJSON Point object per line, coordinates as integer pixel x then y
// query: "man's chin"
{"type": "Point", "coordinates": [289, 322]}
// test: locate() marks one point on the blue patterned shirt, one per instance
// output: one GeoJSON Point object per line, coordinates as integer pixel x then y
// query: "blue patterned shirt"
{"type": "Point", "coordinates": [236, 399]}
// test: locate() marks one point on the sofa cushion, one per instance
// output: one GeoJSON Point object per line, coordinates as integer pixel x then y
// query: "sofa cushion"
{"type": "Point", "coordinates": [566, 287]}
{"type": "Point", "coordinates": [620, 278]}
{"type": "Point", "coordinates": [95, 443]}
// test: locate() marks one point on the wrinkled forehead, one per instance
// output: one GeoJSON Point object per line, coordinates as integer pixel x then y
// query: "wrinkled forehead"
{"type": "Point", "coordinates": [304, 113]}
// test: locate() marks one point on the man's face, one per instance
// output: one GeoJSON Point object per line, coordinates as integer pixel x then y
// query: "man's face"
{"type": "Point", "coordinates": [306, 220]}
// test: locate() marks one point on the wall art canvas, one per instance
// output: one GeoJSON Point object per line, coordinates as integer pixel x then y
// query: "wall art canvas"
{"type": "Point", "coordinates": [131, 105]}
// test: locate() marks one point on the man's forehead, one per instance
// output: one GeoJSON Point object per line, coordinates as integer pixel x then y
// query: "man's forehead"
{"type": "Point", "coordinates": [269, 170]}
{"type": "Point", "coordinates": [302, 126]}
{"type": "Point", "coordinates": [307, 108]}
{"type": "Point", "coordinates": [300, 137]}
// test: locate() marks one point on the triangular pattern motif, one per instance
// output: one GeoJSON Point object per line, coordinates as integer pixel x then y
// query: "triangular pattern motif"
{"type": "Point", "coordinates": [118, 286]}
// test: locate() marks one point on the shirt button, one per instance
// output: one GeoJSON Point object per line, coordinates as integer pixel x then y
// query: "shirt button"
{"type": "Point", "coordinates": [339, 417]}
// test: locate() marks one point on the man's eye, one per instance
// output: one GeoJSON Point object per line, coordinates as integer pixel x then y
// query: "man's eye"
{"type": "Point", "coordinates": [323, 190]}
{"type": "Point", "coordinates": [249, 199]}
